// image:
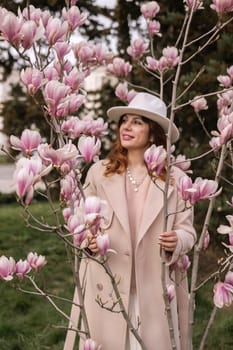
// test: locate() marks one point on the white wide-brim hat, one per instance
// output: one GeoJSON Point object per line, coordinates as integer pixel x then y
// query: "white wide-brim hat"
{"type": "Point", "coordinates": [149, 106]}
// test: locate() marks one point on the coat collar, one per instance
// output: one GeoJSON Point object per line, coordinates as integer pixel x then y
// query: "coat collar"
{"type": "Point", "coordinates": [114, 187]}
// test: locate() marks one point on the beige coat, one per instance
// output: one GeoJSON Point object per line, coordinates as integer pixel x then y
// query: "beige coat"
{"type": "Point", "coordinates": [108, 328]}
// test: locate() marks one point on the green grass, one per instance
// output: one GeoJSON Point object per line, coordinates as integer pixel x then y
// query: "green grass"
{"type": "Point", "coordinates": [29, 322]}
{"type": "Point", "coordinates": [4, 159]}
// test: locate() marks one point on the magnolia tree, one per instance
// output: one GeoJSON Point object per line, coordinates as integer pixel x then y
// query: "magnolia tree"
{"type": "Point", "coordinates": [56, 66]}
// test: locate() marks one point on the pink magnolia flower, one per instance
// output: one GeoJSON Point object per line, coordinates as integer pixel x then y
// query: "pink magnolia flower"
{"type": "Point", "coordinates": [225, 229]}
{"type": "Point", "coordinates": [184, 186]}
{"type": "Point", "coordinates": [230, 202]}
{"type": "Point", "coordinates": [90, 345]}
{"type": "Point", "coordinates": [215, 143]}
{"type": "Point", "coordinates": [152, 63]}
{"type": "Point", "coordinates": [231, 238]}
{"type": "Point", "coordinates": [123, 93]}
{"type": "Point", "coordinates": [155, 159]}
{"type": "Point", "coordinates": [73, 127]}
{"type": "Point", "coordinates": [225, 131]}
{"type": "Point", "coordinates": [84, 52]}
{"type": "Point", "coordinates": [171, 55]}
{"type": "Point", "coordinates": [76, 222]}
{"type": "Point", "coordinates": [224, 80]}
{"type": "Point", "coordinates": [94, 210]}
{"type": "Point", "coordinates": [70, 104]}
{"type": "Point", "coordinates": [94, 206]}
{"type": "Point", "coordinates": [62, 68]}
{"type": "Point", "coordinates": [62, 49]}
{"type": "Point", "coordinates": [7, 268]}
{"type": "Point", "coordinates": [199, 103]}
{"type": "Point", "coordinates": [222, 6]}
{"type": "Point", "coordinates": [58, 156]}
{"type": "Point", "coordinates": [32, 79]}
{"type": "Point", "coordinates": [89, 147]}
{"type": "Point", "coordinates": [224, 102]}
{"type": "Point", "coordinates": [29, 141]}
{"type": "Point", "coordinates": [10, 28]}
{"type": "Point", "coordinates": [22, 268]}
{"type": "Point", "coordinates": [32, 165]}
{"type": "Point", "coordinates": [199, 190]}
{"type": "Point", "coordinates": [44, 17]}
{"type": "Point", "coordinates": [54, 94]}
{"type": "Point", "coordinates": [74, 17]}
{"type": "Point", "coordinates": [103, 243]}
{"type": "Point", "coordinates": [102, 55]}
{"type": "Point", "coordinates": [32, 13]}
{"type": "Point", "coordinates": [75, 79]}
{"type": "Point", "coordinates": [137, 48]}
{"type": "Point", "coordinates": [183, 263]}
{"type": "Point", "coordinates": [24, 182]}
{"type": "Point", "coordinates": [229, 279]}
{"type": "Point", "coordinates": [98, 127]}
{"type": "Point", "coordinates": [77, 226]}
{"type": "Point", "coordinates": [182, 163]}
{"type": "Point", "coordinates": [66, 213]}
{"type": "Point", "coordinates": [160, 65]}
{"type": "Point", "coordinates": [51, 73]}
{"type": "Point", "coordinates": [68, 185]}
{"type": "Point", "coordinates": [170, 292]}
{"type": "Point", "coordinates": [94, 127]}
{"type": "Point", "coordinates": [222, 294]}
{"type": "Point", "coordinates": [30, 33]}
{"type": "Point", "coordinates": [230, 71]}
{"type": "Point", "coordinates": [56, 30]}
{"type": "Point", "coordinates": [150, 9]}
{"type": "Point", "coordinates": [206, 241]}
{"type": "Point", "coordinates": [28, 172]}
{"type": "Point", "coordinates": [225, 127]}
{"type": "Point", "coordinates": [203, 189]}
{"type": "Point", "coordinates": [36, 262]}
{"type": "Point", "coordinates": [153, 28]}
{"type": "Point", "coordinates": [119, 67]}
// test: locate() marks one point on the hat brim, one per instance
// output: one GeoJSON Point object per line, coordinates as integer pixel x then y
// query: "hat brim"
{"type": "Point", "coordinates": [115, 113]}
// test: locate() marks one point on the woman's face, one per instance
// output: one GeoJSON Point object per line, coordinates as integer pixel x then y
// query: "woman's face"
{"type": "Point", "coordinates": [134, 132]}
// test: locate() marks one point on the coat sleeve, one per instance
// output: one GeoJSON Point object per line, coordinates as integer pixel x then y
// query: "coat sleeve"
{"type": "Point", "coordinates": [183, 226]}
{"type": "Point", "coordinates": [92, 179]}
{"type": "Point", "coordinates": [90, 190]}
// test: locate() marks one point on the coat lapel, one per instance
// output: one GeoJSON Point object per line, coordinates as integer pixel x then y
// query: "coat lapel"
{"type": "Point", "coordinates": [154, 203]}
{"type": "Point", "coordinates": [114, 188]}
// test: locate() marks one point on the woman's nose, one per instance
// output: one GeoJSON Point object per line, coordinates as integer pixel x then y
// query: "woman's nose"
{"type": "Point", "coordinates": [127, 124]}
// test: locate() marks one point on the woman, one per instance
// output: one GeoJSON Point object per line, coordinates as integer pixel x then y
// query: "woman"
{"type": "Point", "coordinates": [135, 227]}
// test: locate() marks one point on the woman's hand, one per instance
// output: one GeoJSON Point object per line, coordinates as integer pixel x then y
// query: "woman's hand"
{"type": "Point", "coordinates": [168, 241]}
{"type": "Point", "coordinates": [91, 243]}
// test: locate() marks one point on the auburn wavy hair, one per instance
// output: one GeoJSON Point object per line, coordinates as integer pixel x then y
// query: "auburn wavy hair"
{"type": "Point", "coordinates": [117, 161]}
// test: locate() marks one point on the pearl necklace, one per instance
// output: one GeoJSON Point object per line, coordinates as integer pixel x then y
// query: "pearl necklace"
{"type": "Point", "coordinates": [133, 181]}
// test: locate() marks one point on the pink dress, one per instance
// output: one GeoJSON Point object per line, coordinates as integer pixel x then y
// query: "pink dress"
{"type": "Point", "coordinates": [135, 201]}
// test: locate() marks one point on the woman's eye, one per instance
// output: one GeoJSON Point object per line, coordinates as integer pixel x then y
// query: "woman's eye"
{"type": "Point", "coordinates": [138, 121]}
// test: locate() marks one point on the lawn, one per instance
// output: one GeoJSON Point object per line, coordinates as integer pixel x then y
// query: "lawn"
{"type": "Point", "coordinates": [29, 322]}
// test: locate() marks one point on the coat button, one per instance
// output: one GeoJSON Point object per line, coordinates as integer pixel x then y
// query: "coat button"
{"type": "Point", "coordinates": [99, 286]}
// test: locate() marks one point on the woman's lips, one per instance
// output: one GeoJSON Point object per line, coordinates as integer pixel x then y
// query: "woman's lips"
{"type": "Point", "coordinates": [126, 137]}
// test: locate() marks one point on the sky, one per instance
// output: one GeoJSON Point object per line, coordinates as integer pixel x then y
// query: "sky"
{"type": "Point", "coordinates": [108, 3]}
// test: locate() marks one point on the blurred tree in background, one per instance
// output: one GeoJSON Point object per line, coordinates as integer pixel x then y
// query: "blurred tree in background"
{"type": "Point", "coordinates": [116, 27]}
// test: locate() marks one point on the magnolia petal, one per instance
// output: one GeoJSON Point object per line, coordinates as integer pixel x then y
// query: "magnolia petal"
{"type": "Point", "coordinates": [224, 229]}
